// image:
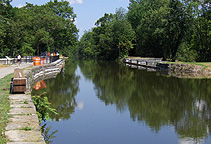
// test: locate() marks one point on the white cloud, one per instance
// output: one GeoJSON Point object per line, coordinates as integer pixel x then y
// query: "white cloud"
{"type": "Point", "coordinates": [75, 1]}
{"type": "Point", "coordinates": [20, 6]}
{"type": "Point", "coordinates": [81, 105]}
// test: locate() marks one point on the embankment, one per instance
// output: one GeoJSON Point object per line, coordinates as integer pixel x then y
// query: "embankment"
{"type": "Point", "coordinates": [23, 127]}
{"type": "Point", "coordinates": [173, 69]}
{"type": "Point", "coordinates": [185, 70]}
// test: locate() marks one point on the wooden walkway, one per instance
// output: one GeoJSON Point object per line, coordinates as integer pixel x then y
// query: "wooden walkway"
{"type": "Point", "coordinates": [144, 62]}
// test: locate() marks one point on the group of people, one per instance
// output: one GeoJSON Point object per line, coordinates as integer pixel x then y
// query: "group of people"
{"type": "Point", "coordinates": [49, 54]}
{"type": "Point", "coordinates": [45, 54]}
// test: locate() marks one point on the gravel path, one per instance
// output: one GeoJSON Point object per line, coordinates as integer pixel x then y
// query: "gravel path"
{"type": "Point", "coordinates": [10, 69]}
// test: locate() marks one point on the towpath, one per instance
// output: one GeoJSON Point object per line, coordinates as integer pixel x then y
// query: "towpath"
{"type": "Point", "coordinates": [23, 126]}
{"type": "Point", "coordinates": [10, 68]}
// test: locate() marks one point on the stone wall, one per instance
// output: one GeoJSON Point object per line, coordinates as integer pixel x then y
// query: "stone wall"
{"type": "Point", "coordinates": [176, 70]}
{"type": "Point", "coordinates": [185, 68]}
{"type": "Point", "coordinates": [39, 73]}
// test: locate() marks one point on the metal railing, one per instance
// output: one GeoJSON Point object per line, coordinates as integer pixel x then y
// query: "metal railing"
{"type": "Point", "coordinates": [48, 59]}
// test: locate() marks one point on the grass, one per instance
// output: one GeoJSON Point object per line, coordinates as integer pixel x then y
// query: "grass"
{"type": "Point", "coordinates": [27, 128]}
{"type": "Point", "coordinates": [4, 105]}
{"type": "Point", "coordinates": [206, 65]}
{"type": "Point", "coordinates": [26, 102]}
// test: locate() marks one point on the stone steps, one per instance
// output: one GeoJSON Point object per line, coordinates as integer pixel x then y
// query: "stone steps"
{"type": "Point", "coordinates": [23, 127]}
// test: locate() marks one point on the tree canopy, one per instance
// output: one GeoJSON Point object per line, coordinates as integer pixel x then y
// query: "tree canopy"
{"type": "Point", "coordinates": [171, 29]}
{"type": "Point", "coordinates": [33, 29]}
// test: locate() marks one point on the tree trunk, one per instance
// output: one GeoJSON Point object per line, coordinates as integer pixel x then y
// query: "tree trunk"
{"type": "Point", "coordinates": [38, 49]}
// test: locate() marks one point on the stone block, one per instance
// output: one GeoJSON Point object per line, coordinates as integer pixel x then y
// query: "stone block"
{"type": "Point", "coordinates": [20, 111]}
{"type": "Point", "coordinates": [24, 136]}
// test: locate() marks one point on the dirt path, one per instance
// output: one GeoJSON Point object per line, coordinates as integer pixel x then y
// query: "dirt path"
{"type": "Point", "coordinates": [10, 68]}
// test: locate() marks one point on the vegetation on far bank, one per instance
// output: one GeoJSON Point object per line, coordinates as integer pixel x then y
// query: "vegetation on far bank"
{"type": "Point", "coordinates": [4, 105]}
{"type": "Point", "coordinates": [172, 29]}
{"type": "Point", "coordinates": [205, 65]}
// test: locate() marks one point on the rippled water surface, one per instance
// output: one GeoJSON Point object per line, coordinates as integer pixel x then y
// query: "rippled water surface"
{"type": "Point", "coordinates": [102, 102]}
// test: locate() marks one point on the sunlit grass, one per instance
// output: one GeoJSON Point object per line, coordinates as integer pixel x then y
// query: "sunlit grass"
{"type": "Point", "coordinates": [4, 105]}
{"type": "Point", "coordinates": [206, 65]}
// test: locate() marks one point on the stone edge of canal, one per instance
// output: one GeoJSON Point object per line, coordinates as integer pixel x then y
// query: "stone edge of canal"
{"type": "Point", "coordinates": [23, 111]}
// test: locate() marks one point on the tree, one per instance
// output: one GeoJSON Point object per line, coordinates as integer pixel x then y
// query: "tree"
{"type": "Point", "coordinates": [66, 35]}
{"type": "Point", "coordinates": [176, 27]}
{"type": "Point", "coordinates": [111, 39]}
{"type": "Point", "coordinates": [33, 28]}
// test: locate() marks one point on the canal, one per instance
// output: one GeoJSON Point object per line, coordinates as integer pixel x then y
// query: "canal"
{"type": "Point", "coordinates": [103, 102]}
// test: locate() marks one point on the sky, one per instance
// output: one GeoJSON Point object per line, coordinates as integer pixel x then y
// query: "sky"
{"type": "Point", "coordinates": [87, 11]}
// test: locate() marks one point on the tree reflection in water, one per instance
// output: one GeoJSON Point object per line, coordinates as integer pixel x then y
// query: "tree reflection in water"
{"type": "Point", "coordinates": [46, 133]}
{"type": "Point", "coordinates": [156, 100]}
{"type": "Point", "coordinates": [61, 92]}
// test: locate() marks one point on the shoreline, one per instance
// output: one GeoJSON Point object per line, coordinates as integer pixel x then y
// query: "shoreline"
{"type": "Point", "coordinates": [24, 126]}
{"type": "Point", "coordinates": [179, 70]}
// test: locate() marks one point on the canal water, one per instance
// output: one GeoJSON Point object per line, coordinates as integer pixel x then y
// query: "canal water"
{"type": "Point", "coordinates": [103, 102]}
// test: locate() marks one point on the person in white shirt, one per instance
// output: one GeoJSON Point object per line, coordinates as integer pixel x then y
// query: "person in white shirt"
{"type": "Point", "coordinates": [19, 59]}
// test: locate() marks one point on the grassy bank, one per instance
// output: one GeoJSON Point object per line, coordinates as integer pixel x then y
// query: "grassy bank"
{"type": "Point", "coordinates": [4, 105]}
{"type": "Point", "coordinates": [206, 65]}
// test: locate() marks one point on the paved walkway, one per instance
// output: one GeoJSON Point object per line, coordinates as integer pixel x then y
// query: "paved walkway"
{"type": "Point", "coordinates": [23, 127]}
{"type": "Point", "coordinates": [10, 69]}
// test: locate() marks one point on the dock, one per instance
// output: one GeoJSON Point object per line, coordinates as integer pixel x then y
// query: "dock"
{"type": "Point", "coordinates": [142, 63]}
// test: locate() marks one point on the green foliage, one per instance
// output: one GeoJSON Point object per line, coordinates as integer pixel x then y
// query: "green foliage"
{"type": "Point", "coordinates": [34, 29]}
{"type": "Point", "coordinates": [186, 54]}
{"type": "Point", "coordinates": [42, 107]}
{"type": "Point", "coordinates": [4, 106]}
{"type": "Point", "coordinates": [160, 27]}
{"type": "Point", "coordinates": [61, 92]}
{"type": "Point", "coordinates": [27, 50]}
{"type": "Point", "coordinates": [200, 37]}
{"type": "Point", "coordinates": [172, 29]}
{"type": "Point", "coordinates": [27, 128]}
{"type": "Point", "coordinates": [111, 39]}
{"type": "Point", "coordinates": [47, 136]}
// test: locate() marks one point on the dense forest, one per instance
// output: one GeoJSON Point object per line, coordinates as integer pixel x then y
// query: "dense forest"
{"type": "Point", "coordinates": [171, 29]}
{"type": "Point", "coordinates": [33, 29]}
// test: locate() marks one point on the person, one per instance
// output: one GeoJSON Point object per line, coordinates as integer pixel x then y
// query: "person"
{"type": "Point", "coordinates": [19, 59]}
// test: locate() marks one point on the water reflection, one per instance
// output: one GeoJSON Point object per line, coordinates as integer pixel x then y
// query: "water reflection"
{"type": "Point", "coordinates": [40, 85]}
{"type": "Point", "coordinates": [61, 92]}
{"type": "Point", "coordinates": [156, 100]}
{"type": "Point", "coordinates": [48, 136]}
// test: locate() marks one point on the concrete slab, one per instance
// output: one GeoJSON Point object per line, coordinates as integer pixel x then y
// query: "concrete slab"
{"type": "Point", "coordinates": [24, 101]}
{"type": "Point", "coordinates": [20, 97]}
{"type": "Point", "coordinates": [25, 118]}
{"type": "Point", "coordinates": [19, 122]}
{"type": "Point", "coordinates": [25, 143]}
{"type": "Point", "coordinates": [18, 105]}
{"type": "Point", "coordinates": [19, 111]}
{"type": "Point", "coordinates": [22, 125]}
{"type": "Point", "coordinates": [24, 136]}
